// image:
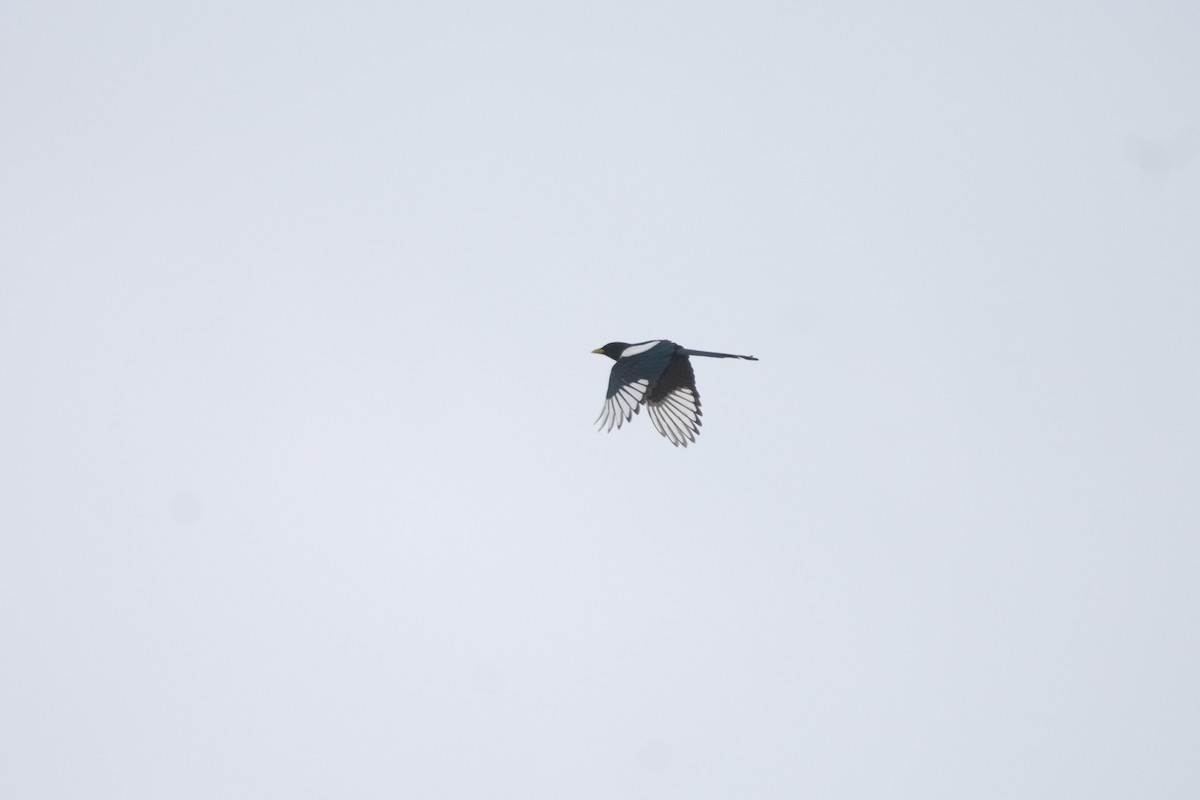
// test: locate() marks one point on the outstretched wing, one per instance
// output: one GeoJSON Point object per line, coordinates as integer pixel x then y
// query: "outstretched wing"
{"type": "Point", "coordinates": [636, 372]}
{"type": "Point", "coordinates": [674, 403]}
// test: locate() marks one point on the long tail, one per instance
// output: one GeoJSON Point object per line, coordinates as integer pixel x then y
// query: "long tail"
{"type": "Point", "coordinates": [717, 355]}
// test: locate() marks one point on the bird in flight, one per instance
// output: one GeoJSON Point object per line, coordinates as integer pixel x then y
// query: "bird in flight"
{"type": "Point", "coordinates": [659, 375]}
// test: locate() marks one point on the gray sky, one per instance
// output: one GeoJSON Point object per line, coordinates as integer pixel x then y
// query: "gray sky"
{"type": "Point", "coordinates": [300, 495]}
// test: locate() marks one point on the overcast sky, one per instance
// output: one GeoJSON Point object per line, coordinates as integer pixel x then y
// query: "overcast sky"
{"type": "Point", "coordinates": [300, 495]}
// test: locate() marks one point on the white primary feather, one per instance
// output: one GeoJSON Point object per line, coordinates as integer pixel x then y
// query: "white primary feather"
{"type": "Point", "coordinates": [677, 416]}
{"type": "Point", "coordinates": [623, 404]}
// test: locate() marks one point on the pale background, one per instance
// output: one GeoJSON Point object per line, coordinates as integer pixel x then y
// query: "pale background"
{"type": "Point", "coordinates": [299, 495]}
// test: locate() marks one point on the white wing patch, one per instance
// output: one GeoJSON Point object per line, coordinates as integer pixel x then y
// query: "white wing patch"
{"type": "Point", "coordinates": [623, 404]}
{"type": "Point", "coordinates": [635, 349]}
{"type": "Point", "coordinates": [677, 416]}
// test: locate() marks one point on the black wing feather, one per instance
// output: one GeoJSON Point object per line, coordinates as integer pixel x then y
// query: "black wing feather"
{"type": "Point", "coordinates": [630, 381]}
{"type": "Point", "coordinates": [674, 402]}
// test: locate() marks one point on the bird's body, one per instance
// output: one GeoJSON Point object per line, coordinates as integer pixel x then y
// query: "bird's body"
{"type": "Point", "coordinates": [657, 374]}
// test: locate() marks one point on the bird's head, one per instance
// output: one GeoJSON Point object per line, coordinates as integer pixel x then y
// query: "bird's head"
{"type": "Point", "coordinates": [613, 350]}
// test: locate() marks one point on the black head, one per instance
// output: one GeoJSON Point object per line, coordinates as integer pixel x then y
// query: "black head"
{"type": "Point", "coordinates": [613, 350]}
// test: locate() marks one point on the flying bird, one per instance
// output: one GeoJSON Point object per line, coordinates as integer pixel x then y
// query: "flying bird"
{"type": "Point", "coordinates": [657, 374]}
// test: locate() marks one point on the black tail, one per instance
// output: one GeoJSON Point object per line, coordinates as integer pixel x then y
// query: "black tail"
{"type": "Point", "coordinates": [717, 355]}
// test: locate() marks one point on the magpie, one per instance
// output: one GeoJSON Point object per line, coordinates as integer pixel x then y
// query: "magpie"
{"type": "Point", "coordinates": [659, 375]}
